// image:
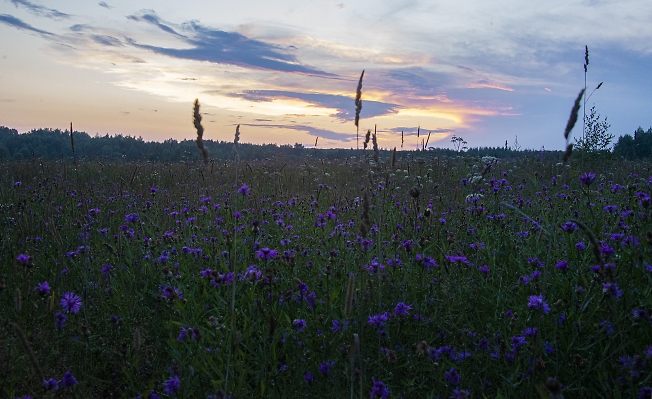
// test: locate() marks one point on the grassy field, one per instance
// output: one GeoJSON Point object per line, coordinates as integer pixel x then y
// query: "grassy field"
{"type": "Point", "coordinates": [413, 277]}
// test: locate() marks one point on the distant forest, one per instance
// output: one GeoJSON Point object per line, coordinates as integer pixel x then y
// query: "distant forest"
{"type": "Point", "coordinates": [56, 144]}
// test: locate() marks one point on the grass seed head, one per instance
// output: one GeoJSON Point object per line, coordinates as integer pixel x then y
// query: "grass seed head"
{"type": "Point", "coordinates": [573, 115]}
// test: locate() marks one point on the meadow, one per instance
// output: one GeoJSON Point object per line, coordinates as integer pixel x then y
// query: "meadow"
{"type": "Point", "coordinates": [402, 277]}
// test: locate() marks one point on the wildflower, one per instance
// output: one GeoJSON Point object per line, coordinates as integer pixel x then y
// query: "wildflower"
{"type": "Point", "coordinates": [24, 259]}
{"type": "Point", "coordinates": [563, 265]}
{"type": "Point", "coordinates": [611, 289]}
{"type": "Point", "coordinates": [71, 302]}
{"type": "Point", "coordinates": [51, 384]}
{"type": "Point", "coordinates": [309, 377]}
{"type": "Point", "coordinates": [182, 334]}
{"type": "Point", "coordinates": [518, 342]}
{"type": "Point", "coordinates": [378, 320]}
{"type": "Point", "coordinates": [587, 178]}
{"type": "Point", "coordinates": [300, 324]}
{"type": "Point", "coordinates": [42, 289]}
{"type": "Point", "coordinates": [325, 367]}
{"type": "Point", "coordinates": [562, 318]}
{"type": "Point", "coordinates": [537, 302]}
{"type": "Point", "coordinates": [68, 380]}
{"type": "Point", "coordinates": [266, 253]}
{"type": "Point", "coordinates": [645, 393]}
{"type": "Point", "coordinates": [171, 292]}
{"type": "Point", "coordinates": [172, 386]}
{"type": "Point", "coordinates": [131, 217]}
{"type": "Point", "coordinates": [244, 190]}
{"type": "Point", "coordinates": [60, 319]}
{"type": "Point", "coordinates": [379, 389]}
{"type": "Point", "coordinates": [106, 269]}
{"type": "Point", "coordinates": [337, 326]}
{"type": "Point", "coordinates": [452, 376]}
{"type": "Point", "coordinates": [648, 352]}
{"type": "Point", "coordinates": [402, 309]}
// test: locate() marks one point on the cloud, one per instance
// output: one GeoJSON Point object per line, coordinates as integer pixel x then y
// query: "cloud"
{"type": "Point", "coordinates": [484, 84]}
{"type": "Point", "coordinates": [412, 131]}
{"type": "Point", "coordinates": [150, 16]}
{"type": "Point", "coordinates": [312, 131]}
{"type": "Point", "coordinates": [344, 106]}
{"type": "Point", "coordinates": [106, 40]}
{"type": "Point", "coordinates": [40, 10]}
{"type": "Point", "coordinates": [103, 4]}
{"type": "Point", "coordinates": [17, 23]}
{"type": "Point", "coordinates": [220, 47]}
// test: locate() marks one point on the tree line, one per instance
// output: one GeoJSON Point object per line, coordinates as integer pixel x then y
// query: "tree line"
{"type": "Point", "coordinates": [56, 144]}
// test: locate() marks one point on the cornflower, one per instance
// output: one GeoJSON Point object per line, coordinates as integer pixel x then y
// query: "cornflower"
{"type": "Point", "coordinates": [537, 302]}
{"type": "Point", "coordinates": [71, 302]}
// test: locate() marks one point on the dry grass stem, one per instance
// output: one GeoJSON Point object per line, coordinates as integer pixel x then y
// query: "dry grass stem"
{"type": "Point", "coordinates": [28, 351]}
{"type": "Point", "coordinates": [358, 106]}
{"type": "Point", "coordinates": [200, 131]}
{"type": "Point", "coordinates": [573, 116]}
{"type": "Point", "coordinates": [350, 289]}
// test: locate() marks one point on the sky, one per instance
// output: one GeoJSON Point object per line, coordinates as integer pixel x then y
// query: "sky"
{"type": "Point", "coordinates": [287, 71]}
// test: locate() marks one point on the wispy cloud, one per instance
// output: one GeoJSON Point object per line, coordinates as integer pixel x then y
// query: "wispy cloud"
{"type": "Point", "coordinates": [150, 16]}
{"type": "Point", "coordinates": [39, 10]}
{"type": "Point", "coordinates": [343, 106]}
{"type": "Point", "coordinates": [17, 23]}
{"type": "Point", "coordinates": [412, 130]}
{"type": "Point", "coordinates": [484, 84]}
{"type": "Point", "coordinates": [103, 4]}
{"type": "Point", "coordinates": [312, 131]}
{"type": "Point", "coordinates": [221, 47]}
{"type": "Point", "coordinates": [107, 40]}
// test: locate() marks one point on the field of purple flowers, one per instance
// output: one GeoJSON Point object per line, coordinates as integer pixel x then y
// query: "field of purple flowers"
{"type": "Point", "coordinates": [419, 277]}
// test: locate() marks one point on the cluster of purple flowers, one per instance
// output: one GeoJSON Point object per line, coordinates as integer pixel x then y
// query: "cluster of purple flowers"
{"type": "Point", "coordinates": [67, 381]}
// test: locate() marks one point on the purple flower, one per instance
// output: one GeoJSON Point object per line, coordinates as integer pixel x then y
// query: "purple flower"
{"type": "Point", "coordinates": [611, 289]}
{"type": "Point", "coordinates": [266, 253]}
{"type": "Point", "coordinates": [51, 384]}
{"type": "Point", "coordinates": [452, 377]}
{"type": "Point", "coordinates": [378, 320]}
{"type": "Point", "coordinates": [60, 319]}
{"type": "Point", "coordinates": [71, 302]}
{"type": "Point", "coordinates": [645, 393]}
{"type": "Point", "coordinates": [172, 386]}
{"type": "Point", "coordinates": [537, 302]}
{"type": "Point", "coordinates": [42, 289]}
{"type": "Point", "coordinates": [300, 324]}
{"type": "Point", "coordinates": [68, 380]}
{"type": "Point", "coordinates": [563, 265]}
{"type": "Point", "coordinates": [168, 292]}
{"type": "Point", "coordinates": [379, 389]}
{"type": "Point", "coordinates": [325, 367]}
{"type": "Point", "coordinates": [244, 190]}
{"type": "Point", "coordinates": [24, 259]}
{"type": "Point", "coordinates": [106, 269]}
{"type": "Point", "coordinates": [402, 309]}
{"type": "Point", "coordinates": [518, 342]}
{"type": "Point", "coordinates": [587, 178]}
{"type": "Point", "coordinates": [131, 217]}
{"type": "Point", "coordinates": [309, 377]}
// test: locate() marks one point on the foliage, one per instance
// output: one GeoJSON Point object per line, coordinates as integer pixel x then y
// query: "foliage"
{"type": "Point", "coordinates": [596, 137]}
{"type": "Point", "coordinates": [637, 147]}
{"type": "Point", "coordinates": [474, 275]}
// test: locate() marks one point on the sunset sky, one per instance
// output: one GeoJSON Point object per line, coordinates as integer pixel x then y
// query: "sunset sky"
{"type": "Point", "coordinates": [287, 71]}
